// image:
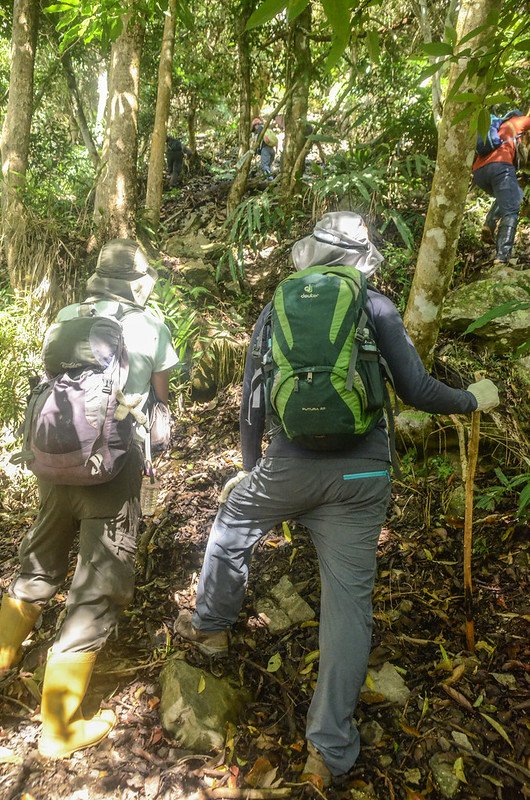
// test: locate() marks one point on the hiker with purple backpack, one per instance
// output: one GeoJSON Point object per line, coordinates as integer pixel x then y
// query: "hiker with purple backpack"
{"type": "Point", "coordinates": [83, 440]}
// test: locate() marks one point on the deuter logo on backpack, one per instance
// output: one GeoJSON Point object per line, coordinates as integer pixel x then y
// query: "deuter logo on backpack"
{"type": "Point", "coordinates": [72, 434]}
{"type": "Point", "coordinates": [326, 386]}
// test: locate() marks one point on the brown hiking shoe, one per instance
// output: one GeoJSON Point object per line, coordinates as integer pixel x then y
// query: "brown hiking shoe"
{"type": "Point", "coordinates": [211, 643]}
{"type": "Point", "coordinates": [316, 766]}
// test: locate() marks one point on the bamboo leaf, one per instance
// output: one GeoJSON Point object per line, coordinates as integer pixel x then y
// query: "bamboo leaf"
{"type": "Point", "coordinates": [524, 499]}
{"type": "Point", "coordinates": [498, 727]}
{"type": "Point", "coordinates": [265, 12]}
{"type": "Point", "coordinates": [499, 311]}
{"type": "Point", "coordinates": [295, 8]}
{"type": "Point", "coordinates": [438, 49]}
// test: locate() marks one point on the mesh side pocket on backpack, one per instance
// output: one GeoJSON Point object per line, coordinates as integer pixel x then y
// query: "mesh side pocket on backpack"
{"type": "Point", "coordinates": [369, 369]}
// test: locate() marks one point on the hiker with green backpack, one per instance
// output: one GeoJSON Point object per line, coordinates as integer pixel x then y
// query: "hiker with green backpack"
{"type": "Point", "coordinates": [315, 374]}
{"type": "Point", "coordinates": [85, 426]}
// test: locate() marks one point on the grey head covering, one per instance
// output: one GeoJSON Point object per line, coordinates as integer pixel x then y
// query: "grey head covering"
{"type": "Point", "coordinates": [122, 273]}
{"type": "Point", "coordinates": [340, 237]}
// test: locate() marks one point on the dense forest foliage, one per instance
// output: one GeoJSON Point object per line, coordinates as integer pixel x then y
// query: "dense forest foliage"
{"type": "Point", "coordinates": [376, 107]}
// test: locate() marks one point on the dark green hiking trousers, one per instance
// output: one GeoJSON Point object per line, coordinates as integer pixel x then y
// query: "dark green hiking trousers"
{"type": "Point", "coordinates": [106, 518]}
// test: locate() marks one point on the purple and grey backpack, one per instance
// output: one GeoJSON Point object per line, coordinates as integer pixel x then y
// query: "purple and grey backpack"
{"type": "Point", "coordinates": [71, 436]}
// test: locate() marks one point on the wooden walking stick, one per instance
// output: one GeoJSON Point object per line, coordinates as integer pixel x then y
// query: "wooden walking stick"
{"type": "Point", "coordinates": [472, 457]}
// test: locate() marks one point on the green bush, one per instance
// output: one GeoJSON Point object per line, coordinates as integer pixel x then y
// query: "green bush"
{"type": "Point", "coordinates": [21, 333]}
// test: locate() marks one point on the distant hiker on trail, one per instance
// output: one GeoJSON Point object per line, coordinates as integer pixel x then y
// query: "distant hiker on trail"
{"type": "Point", "coordinates": [111, 352]}
{"type": "Point", "coordinates": [266, 150]}
{"type": "Point", "coordinates": [175, 152]}
{"type": "Point", "coordinates": [328, 465]}
{"type": "Point", "coordinates": [495, 173]}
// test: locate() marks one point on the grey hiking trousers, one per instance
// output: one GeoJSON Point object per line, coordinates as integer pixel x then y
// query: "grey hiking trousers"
{"type": "Point", "coordinates": [106, 518]}
{"type": "Point", "coordinates": [342, 502]}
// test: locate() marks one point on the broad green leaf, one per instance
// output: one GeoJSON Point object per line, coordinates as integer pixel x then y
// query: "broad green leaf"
{"type": "Point", "coordinates": [483, 122]}
{"type": "Point", "coordinates": [458, 769]}
{"type": "Point", "coordinates": [464, 113]}
{"type": "Point", "coordinates": [275, 663]}
{"type": "Point", "coordinates": [437, 49]}
{"type": "Point", "coordinates": [295, 8]}
{"type": "Point", "coordinates": [456, 85]}
{"type": "Point", "coordinates": [495, 99]}
{"type": "Point", "coordinates": [372, 43]}
{"type": "Point", "coordinates": [338, 47]}
{"type": "Point", "coordinates": [515, 80]}
{"type": "Point", "coordinates": [498, 727]}
{"type": "Point", "coordinates": [524, 45]}
{"type": "Point", "coordinates": [265, 12]}
{"type": "Point", "coordinates": [314, 655]}
{"type": "Point", "coordinates": [338, 15]}
{"type": "Point", "coordinates": [58, 7]}
{"type": "Point", "coordinates": [450, 35]}
{"type": "Point", "coordinates": [524, 499]}
{"type": "Point", "coordinates": [499, 311]}
{"type": "Point", "coordinates": [467, 97]}
{"type": "Point", "coordinates": [430, 70]}
{"type": "Point", "coordinates": [471, 35]}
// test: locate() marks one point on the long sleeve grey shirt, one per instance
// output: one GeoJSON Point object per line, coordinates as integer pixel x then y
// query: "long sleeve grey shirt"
{"type": "Point", "coordinates": [413, 385]}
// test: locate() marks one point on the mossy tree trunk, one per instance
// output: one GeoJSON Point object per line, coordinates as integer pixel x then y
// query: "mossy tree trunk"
{"type": "Point", "coordinates": [436, 257]}
{"type": "Point", "coordinates": [14, 144]}
{"type": "Point", "coordinates": [155, 174]}
{"type": "Point", "coordinates": [115, 201]}
{"type": "Point", "coordinates": [297, 84]}
{"type": "Point", "coordinates": [239, 185]}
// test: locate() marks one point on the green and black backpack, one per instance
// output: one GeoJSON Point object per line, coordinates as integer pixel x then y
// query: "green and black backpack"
{"type": "Point", "coordinates": [323, 373]}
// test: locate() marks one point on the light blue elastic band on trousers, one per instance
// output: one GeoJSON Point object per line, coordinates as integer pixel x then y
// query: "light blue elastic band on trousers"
{"type": "Point", "coordinates": [380, 474]}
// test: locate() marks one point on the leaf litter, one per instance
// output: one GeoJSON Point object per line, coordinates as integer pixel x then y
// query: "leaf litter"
{"type": "Point", "coordinates": [470, 710]}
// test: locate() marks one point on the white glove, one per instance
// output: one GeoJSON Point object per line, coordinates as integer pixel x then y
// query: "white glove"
{"type": "Point", "coordinates": [486, 394]}
{"type": "Point", "coordinates": [129, 404]}
{"type": "Point", "coordinates": [231, 484]}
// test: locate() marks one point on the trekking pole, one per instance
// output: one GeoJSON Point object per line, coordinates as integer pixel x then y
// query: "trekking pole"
{"type": "Point", "coordinates": [472, 457]}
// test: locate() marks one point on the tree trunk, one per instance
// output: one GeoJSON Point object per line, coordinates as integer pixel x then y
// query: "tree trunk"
{"type": "Point", "coordinates": [299, 77]}
{"type": "Point", "coordinates": [14, 145]}
{"type": "Point", "coordinates": [77, 109]}
{"type": "Point", "coordinates": [155, 175]}
{"type": "Point", "coordinates": [436, 257]}
{"type": "Point", "coordinates": [191, 121]}
{"type": "Point", "coordinates": [239, 184]}
{"type": "Point", "coordinates": [115, 202]}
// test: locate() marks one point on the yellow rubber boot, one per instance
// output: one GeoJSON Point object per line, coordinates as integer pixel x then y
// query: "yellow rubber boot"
{"type": "Point", "coordinates": [64, 729]}
{"type": "Point", "coordinates": [17, 619]}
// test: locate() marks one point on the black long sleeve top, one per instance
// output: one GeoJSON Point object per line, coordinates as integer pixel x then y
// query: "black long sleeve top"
{"type": "Point", "coordinates": [413, 385]}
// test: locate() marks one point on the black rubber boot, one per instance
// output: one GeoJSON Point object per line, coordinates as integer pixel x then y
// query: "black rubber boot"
{"type": "Point", "coordinates": [506, 238]}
